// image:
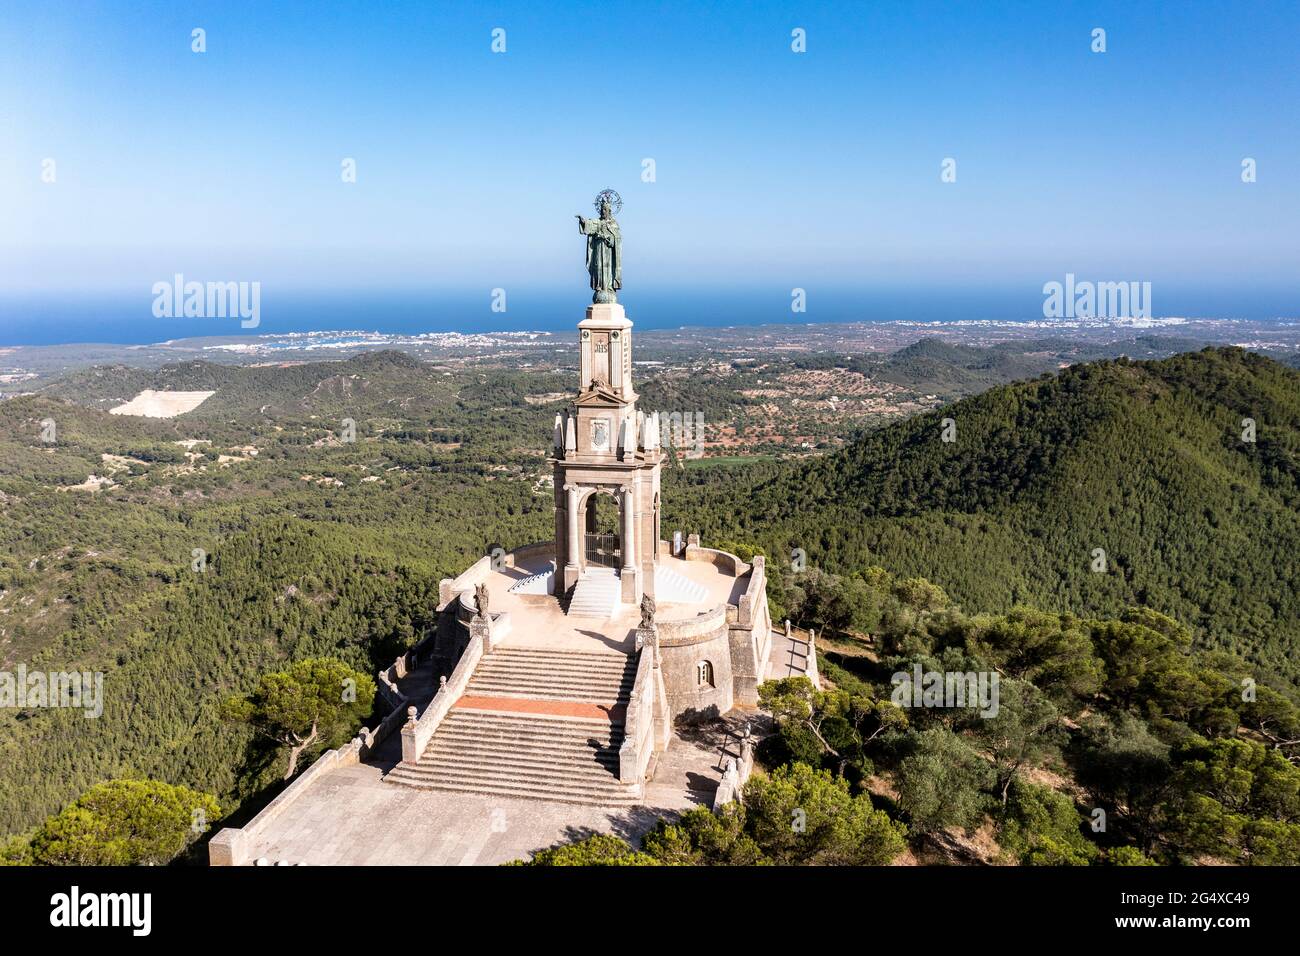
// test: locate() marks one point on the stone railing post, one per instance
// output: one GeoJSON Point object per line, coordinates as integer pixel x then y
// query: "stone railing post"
{"type": "Point", "coordinates": [409, 750]}
{"type": "Point", "coordinates": [480, 630]}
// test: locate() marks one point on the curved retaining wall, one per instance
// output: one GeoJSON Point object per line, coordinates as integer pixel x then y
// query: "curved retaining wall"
{"type": "Point", "coordinates": [734, 640]}
{"type": "Point", "coordinates": [683, 647]}
{"type": "Point", "coordinates": [724, 561]}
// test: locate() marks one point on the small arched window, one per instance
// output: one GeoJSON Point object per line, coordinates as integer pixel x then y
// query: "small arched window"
{"type": "Point", "coordinates": [704, 673]}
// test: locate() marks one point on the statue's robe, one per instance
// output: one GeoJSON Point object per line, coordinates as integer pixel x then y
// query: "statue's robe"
{"type": "Point", "coordinates": [604, 254]}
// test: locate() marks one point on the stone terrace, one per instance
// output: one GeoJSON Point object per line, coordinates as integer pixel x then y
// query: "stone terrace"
{"type": "Point", "coordinates": [351, 817]}
{"type": "Point", "coordinates": [537, 620]}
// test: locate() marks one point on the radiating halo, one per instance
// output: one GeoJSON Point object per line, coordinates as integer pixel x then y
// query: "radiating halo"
{"type": "Point", "coordinates": [615, 200]}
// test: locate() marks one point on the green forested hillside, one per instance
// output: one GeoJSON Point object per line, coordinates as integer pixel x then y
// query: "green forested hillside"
{"type": "Point", "coordinates": [320, 547]}
{"type": "Point", "coordinates": [1144, 460]}
{"type": "Point", "coordinates": [956, 370]}
{"type": "Point", "coordinates": [315, 547]}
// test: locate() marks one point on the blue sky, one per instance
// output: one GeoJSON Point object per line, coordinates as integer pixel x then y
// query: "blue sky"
{"type": "Point", "coordinates": [773, 169]}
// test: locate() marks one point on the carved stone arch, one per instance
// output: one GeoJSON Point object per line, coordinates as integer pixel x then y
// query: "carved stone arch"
{"type": "Point", "coordinates": [600, 537]}
{"type": "Point", "coordinates": [585, 495]}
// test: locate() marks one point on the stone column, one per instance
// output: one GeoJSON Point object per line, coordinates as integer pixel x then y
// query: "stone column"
{"type": "Point", "coordinates": [480, 630]}
{"type": "Point", "coordinates": [629, 527]}
{"type": "Point", "coordinates": [574, 537]}
{"type": "Point", "coordinates": [228, 848]}
{"type": "Point", "coordinates": [630, 591]}
{"type": "Point", "coordinates": [410, 753]}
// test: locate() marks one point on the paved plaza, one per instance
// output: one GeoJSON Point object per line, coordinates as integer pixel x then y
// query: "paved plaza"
{"type": "Point", "coordinates": [350, 817]}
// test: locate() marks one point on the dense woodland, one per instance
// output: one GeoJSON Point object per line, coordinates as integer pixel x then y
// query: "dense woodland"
{"type": "Point", "coordinates": [1115, 742]}
{"type": "Point", "coordinates": [317, 547]}
{"type": "Point", "coordinates": [1144, 460]}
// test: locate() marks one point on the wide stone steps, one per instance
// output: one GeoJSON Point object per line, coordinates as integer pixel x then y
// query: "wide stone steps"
{"type": "Point", "coordinates": [608, 675]}
{"type": "Point", "coordinates": [483, 730]}
{"type": "Point", "coordinates": [539, 657]}
{"type": "Point", "coordinates": [573, 660]}
{"type": "Point", "coordinates": [487, 723]}
{"type": "Point", "coordinates": [603, 692]}
{"type": "Point", "coordinates": [536, 756]}
{"type": "Point", "coordinates": [596, 594]}
{"type": "Point", "coordinates": [553, 675]}
{"type": "Point", "coordinates": [544, 692]}
{"type": "Point", "coordinates": [571, 751]}
{"type": "Point", "coordinates": [544, 758]}
{"type": "Point", "coordinates": [494, 664]}
{"type": "Point", "coordinates": [601, 781]}
{"type": "Point", "coordinates": [605, 796]}
{"type": "Point", "coordinates": [600, 769]}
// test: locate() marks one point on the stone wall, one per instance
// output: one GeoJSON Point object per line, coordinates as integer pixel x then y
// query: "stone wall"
{"type": "Point", "coordinates": [476, 573]}
{"type": "Point", "coordinates": [639, 742]}
{"type": "Point", "coordinates": [734, 640]}
{"type": "Point", "coordinates": [457, 607]}
{"type": "Point", "coordinates": [537, 549]}
{"type": "Point", "coordinates": [418, 731]}
{"type": "Point", "coordinates": [683, 646]}
{"type": "Point", "coordinates": [750, 635]}
{"type": "Point", "coordinates": [724, 561]}
{"type": "Point", "coordinates": [735, 775]}
{"type": "Point", "coordinates": [233, 845]}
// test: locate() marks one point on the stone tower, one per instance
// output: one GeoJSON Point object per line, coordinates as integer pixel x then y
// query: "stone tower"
{"type": "Point", "coordinates": [605, 447]}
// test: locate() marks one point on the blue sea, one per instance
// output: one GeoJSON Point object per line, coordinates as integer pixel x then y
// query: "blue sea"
{"type": "Point", "coordinates": [129, 320]}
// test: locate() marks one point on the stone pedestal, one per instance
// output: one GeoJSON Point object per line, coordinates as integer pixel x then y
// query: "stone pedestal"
{"type": "Point", "coordinates": [606, 450]}
{"type": "Point", "coordinates": [480, 631]}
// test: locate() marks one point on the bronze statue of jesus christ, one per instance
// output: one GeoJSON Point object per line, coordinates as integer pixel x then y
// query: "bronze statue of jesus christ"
{"type": "Point", "coordinates": [604, 250]}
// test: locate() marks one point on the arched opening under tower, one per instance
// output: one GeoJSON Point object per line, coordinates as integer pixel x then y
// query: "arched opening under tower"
{"type": "Point", "coordinates": [601, 520]}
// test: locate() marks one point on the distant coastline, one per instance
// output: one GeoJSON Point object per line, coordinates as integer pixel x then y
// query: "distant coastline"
{"type": "Point", "coordinates": [26, 367]}
{"type": "Point", "coordinates": [128, 321]}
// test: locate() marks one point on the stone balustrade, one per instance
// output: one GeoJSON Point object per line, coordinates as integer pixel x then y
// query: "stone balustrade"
{"type": "Point", "coordinates": [233, 845]}
{"type": "Point", "coordinates": [638, 725]}
{"type": "Point", "coordinates": [735, 774]}
{"type": "Point", "coordinates": [417, 732]}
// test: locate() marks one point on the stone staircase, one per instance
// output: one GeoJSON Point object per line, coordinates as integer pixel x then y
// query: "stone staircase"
{"type": "Point", "coordinates": [539, 583]}
{"type": "Point", "coordinates": [541, 674]}
{"type": "Point", "coordinates": [596, 594]}
{"type": "Point", "coordinates": [533, 755]}
{"type": "Point", "coordinates": [674, 588]}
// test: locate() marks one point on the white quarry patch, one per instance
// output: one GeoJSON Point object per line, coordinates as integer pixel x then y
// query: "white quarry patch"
{"type": "Point", "coordinates": [116, 463]}
{"type": "Point", "coordinates": [92, 483]}
{"type": "Point", "coordinates": [160, 404]}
